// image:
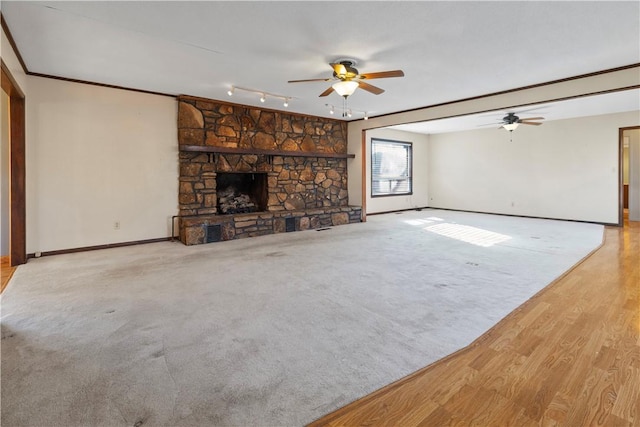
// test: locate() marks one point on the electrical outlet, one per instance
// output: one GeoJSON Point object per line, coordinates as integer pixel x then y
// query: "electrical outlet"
{"type": "Point", "coordinates": [116, 225]}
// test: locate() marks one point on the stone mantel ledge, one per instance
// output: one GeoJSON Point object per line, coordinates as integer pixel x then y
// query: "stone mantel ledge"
{"type": "Point", "coordinates": [231, 150]}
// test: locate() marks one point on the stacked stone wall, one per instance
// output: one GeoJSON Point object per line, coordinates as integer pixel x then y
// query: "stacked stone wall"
{"type": "Point", "coordinates": [311, 179]}
{"type": "Point", "coordinates": [212, 123]}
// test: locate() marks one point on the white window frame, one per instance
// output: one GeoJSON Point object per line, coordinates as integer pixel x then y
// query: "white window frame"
{"type": "Point", "coordinates": [400, 184]}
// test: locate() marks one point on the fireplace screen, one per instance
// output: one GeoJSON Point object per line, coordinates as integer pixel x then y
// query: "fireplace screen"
{"type": "Point", "coordinates": [241, 192]}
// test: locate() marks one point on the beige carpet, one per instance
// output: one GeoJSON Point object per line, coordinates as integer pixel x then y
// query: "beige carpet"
{"type": "Point", "coordinates": [276, 330]}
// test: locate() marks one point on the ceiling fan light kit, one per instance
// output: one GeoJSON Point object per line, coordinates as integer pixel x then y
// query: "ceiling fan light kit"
{"type": "Point", "coordinates": [345, 87]}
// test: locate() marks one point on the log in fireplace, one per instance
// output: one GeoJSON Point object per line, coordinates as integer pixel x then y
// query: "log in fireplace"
{"type": "Point", "coordinates": [241, 192]}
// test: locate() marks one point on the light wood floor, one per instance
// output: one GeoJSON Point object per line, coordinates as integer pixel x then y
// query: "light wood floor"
{"type": "Point", "coordinates": [6, 271]}
{"type": "Point", "coordinates": [570, 356]}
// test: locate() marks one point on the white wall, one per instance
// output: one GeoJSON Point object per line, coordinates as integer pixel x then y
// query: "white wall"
{"type": "Point", "coordinates": [95, 156]}
{"type": "Point", "coordinates": [616, 80]}
{"type": "Point", "coordinates": [634, 173]}
{"type": "Point", "coordinates": [565, 169]}
{"type": "Point", "coordinates": [420, 196]}
{"type": "Point", "coordinates": [4, 174]}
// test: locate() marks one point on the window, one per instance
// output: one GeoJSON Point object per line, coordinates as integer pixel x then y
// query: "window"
{"type": "Point", "coordinates": [390, 168]}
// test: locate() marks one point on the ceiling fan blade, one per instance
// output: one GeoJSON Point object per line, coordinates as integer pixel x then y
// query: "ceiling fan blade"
{"type": "Point", "coordinates": [339, 69]}
{"type": "Point", "coordinates": [529, 123]}
{"type": "Point", "coordinates": [327, 92]}
{"type": "Point", "coordinates": [309, 80]}
{"type": "Point", "coordinates": [532, 118]}
{"type": "Point", "coordinates": [382, 74]}
{"type": "Point", "coordinates": [370, 88]}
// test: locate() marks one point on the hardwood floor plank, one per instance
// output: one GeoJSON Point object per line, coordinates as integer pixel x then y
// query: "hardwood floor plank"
{"type": "Point", "coordinates": [439, 417]}
{"type": "Point", "coordinates": [599, 398]}
{"type": "Point", "coordinates": [422, 411]}
{"type": "Point", "coordinates": [506, 379]}
{"type": "Point", "coordinates": [6, 271]}
{"type": "Point", "coordinates": [568, 356]}
{"type": "Point", "coordinates": [627, 405]}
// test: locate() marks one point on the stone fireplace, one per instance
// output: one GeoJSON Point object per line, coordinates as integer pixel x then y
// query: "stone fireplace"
{"type": "Point", "coordinates": [247, 172]}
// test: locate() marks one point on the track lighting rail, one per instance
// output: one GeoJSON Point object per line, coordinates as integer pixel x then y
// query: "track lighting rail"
{"type": "Point", "coordinates": [263, 94]}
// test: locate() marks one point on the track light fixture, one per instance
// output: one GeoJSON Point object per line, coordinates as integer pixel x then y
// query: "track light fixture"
{"type": "Point", "coordinates": [347, 112]}
{"type": "Point", "coordinates": [263, 94]}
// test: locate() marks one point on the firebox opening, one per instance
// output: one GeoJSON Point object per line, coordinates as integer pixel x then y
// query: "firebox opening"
{"type": "Point", "coordinates": [241, 192]}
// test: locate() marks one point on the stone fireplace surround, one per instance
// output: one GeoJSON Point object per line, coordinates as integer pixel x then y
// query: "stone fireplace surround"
{"type": "Point", "coordinates": [304, 159]}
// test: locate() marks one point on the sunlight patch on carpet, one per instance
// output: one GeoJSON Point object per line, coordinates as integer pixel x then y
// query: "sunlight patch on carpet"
{"type": "Point", "coordinates": [422, 221]}
{"type": "Point", "coordinates": [468, 234]}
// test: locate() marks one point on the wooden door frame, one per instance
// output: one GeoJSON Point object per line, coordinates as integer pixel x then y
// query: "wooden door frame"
{"type": "Point", "coordinates": [18, 235]}
{"type": "Point", "coordinates": [621, 174]}
{"type": "Point", "coordinates": [363, 148]}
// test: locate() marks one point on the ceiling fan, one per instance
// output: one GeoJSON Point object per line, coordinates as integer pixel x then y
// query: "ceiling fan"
{"type": "Point", "coordinates": [348, 79]}
{"type": "Point", "coordinates": [510, 122]}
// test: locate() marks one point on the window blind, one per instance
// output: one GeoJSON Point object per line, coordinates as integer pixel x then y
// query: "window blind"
{"type": "Point", "coordinates": [390, 167]}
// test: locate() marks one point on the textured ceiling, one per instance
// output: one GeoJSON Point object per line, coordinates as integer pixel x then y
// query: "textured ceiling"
{"type": "Point", "coordinates": [448, 50]}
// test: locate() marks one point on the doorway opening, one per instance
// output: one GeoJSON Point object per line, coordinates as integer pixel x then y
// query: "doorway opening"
{"type": "Point", "coordinates": [17, 250]}
{"type": "Point", "coordinates": [629, 156]}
